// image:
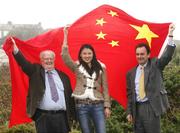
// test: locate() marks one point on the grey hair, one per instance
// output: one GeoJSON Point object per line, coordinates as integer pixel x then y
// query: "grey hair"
{"type": "Point", "coordinates": [42, 53]}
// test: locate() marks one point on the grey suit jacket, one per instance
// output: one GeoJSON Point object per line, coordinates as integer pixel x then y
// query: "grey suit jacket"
{"type": "Point", "coordinates": [36, 89]}
{"type": "Point", "coordinates": [154, 87]}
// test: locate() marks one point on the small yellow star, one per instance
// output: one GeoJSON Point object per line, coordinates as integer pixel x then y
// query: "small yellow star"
{"type": "Point", "coordinates": [145, 33]}
{"type": "Point", "coordinates": [112, 13]}
{"type": "Point", "coordinates": [114, 43]}
{"type": "Point", "coordinates": [101, 35]}
{"type": "Point", "coordinates": [100, 21]}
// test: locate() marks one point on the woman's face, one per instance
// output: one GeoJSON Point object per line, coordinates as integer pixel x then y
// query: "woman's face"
{"type": "Point", "coordinates": [87, 55]}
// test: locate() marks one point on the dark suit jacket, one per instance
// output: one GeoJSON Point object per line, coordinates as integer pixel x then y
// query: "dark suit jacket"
{"type": "Point", "coordinates": [154, 87]}
{"type": "Point", "coordinates": [36, 74]}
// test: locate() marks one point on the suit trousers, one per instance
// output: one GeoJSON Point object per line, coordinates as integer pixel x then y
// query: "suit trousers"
{"type": "Point", "coordinates": [51, 121]}
{"type": "Point", "coordinates": [146, 121]}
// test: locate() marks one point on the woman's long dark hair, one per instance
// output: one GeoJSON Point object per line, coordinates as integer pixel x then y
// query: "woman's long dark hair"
{"type": "Point", "coordinates": [95, 65]}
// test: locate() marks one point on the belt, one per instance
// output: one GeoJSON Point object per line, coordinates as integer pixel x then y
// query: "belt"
{"type": "Point", "coordinates": [140, 103]}
{"type": "Point", "coordinates": [51, 111]}
{"type": "Point", "coordinates": [88, 101]}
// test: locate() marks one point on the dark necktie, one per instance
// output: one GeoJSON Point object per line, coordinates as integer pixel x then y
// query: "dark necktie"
{"type": "Point", "coordinates": [54, 93]}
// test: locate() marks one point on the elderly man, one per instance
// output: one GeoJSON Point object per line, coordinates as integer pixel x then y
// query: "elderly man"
{"type": "Point", "coordinates": [49, 101]}
{"type": "Point", "coordinates": [147, 98]}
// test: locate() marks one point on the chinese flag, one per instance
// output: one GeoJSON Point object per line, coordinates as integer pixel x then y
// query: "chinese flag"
{"type": "Point", "coordinates": [113, 34]}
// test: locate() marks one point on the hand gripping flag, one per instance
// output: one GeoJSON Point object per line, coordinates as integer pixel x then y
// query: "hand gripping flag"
{"type": "Point", "coordinates": [114, 35]}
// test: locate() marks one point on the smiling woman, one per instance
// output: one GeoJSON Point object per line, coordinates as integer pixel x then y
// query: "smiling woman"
{"type": "Point", "coordinates": [92, 102]}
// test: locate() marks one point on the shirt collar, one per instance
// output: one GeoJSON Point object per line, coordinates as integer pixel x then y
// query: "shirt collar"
{"type": "Point", "coordinates": [52, 71]}
{"type": "Point", "coordinates": [143, 65]}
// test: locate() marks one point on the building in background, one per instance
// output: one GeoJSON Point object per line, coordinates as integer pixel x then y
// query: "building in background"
{"type": "Point", "coordinates": [21, 31]}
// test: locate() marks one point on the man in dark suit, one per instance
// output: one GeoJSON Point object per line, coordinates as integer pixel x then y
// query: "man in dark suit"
{"type": "Point", "coordinates": [49, 101]}
{"type": "Point", "coordinates": [147, 97]}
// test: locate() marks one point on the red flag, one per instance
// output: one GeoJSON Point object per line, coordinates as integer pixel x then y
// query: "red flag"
{"type": "Point", "coordinates": [114, 35]}
{"type": "Point", "coordinates": [30, 49]}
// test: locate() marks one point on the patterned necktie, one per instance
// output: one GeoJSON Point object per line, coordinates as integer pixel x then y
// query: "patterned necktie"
{"type": "Point", "coordinates": [54, 93]}
{"type": "Point", "coordinates": [141, 84]}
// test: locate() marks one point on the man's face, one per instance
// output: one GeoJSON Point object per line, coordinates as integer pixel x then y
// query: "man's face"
{"type": "Point", "coordinates": [142, 55]}
{"type": "Point", "coordinates": [47, 61]}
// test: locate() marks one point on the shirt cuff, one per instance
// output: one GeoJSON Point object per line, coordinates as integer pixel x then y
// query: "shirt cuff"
{"type": "Point", "coordinates": [16, 51]}
{"type": "Point", "coordinates": [171, 42]}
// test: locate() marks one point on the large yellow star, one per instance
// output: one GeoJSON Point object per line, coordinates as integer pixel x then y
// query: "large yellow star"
{"type": "Point", "coordinates": [112, 13]}
{"type": "Point", "coordinates": [100, 21]}
{"type": "Point", "coordinates": [114, 43]}
{"type": "Point", "coordinates": [100, 35]}
{"type": "Point", "coordinates": [144, 33]}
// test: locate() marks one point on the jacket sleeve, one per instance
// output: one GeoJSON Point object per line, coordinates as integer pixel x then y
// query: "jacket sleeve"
{"type": "Point", "coordinates": [67, 58]}
{"type": "Point", "coordinates": [26, 66]}
{"type": "Point", "coordinates": [129, 94]}
{"type": "Point", "coordinates": [107, 100]}
{"type": "Point", "coordinates": [166, 57]}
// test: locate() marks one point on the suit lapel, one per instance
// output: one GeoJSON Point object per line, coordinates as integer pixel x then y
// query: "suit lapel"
{"type": "Point", "coordinates": [62, 78]}
{"type": "Point", "coordinates": [64, 84]}
{"type": "Point", "coordinates": [42, 72]}
{"type": "Point", "coordinates": [133, 77]}
{"type": "Point", "coordinates": [146, 73]}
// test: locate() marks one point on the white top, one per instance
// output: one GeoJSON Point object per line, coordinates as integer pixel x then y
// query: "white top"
{"type": "Point", "coordinates": [89, 86]}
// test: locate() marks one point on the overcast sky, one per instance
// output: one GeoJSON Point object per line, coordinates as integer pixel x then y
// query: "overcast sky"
{"type": "Point", "coordinates": [57, 13]}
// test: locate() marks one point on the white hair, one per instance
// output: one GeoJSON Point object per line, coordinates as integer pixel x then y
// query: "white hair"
{"type": "Point", "coordinates": [42, 53]}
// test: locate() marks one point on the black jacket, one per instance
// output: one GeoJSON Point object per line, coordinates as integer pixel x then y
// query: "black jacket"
{"type": "Point", "coordinates": [36, 74]}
